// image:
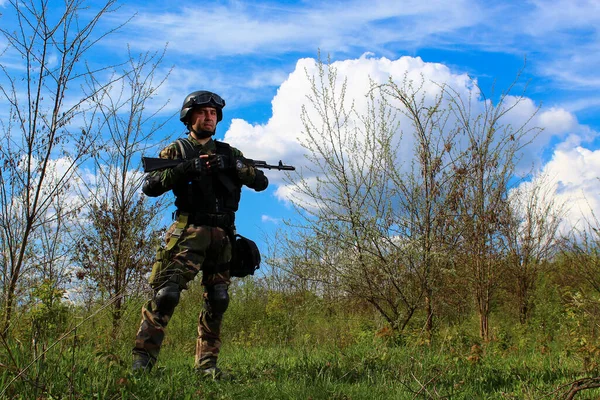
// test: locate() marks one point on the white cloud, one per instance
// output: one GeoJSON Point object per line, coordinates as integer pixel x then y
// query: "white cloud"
{"type": "Point", "coordinates": [563, 34]}
{"type": "Point", "coordinates": [281, 136]}
{"type": "Point", "coordinates": [278, 138]}
{"type": "Point", "coordinates": [561, 37]}
{"type": "Point", "coordinates": [237, 90]}
{"type": "Point", "coordinates": [233, 28]}
{"type": "Point", "coordinates": [563, 15]}
{"type": "Point", "coordinates": [576, 172]}
{"type": "Point", "coordinates": [269, 219]}
{"type": "Point", "coordinates": [237, 49]}
{"type": "Point", "coordinates": [557, 121]}
{"type": "Point", "coordinates": [59, 192]}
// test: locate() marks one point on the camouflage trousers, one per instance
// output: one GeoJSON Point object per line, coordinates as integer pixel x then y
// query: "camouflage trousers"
{"type": "Point", "coordinates": [189, 250]}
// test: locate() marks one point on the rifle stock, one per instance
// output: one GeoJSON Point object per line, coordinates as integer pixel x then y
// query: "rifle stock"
{"type": "Point", "coordinates": [153, 164]}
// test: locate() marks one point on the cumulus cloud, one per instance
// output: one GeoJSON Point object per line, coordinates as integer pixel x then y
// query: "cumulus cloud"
{"type": "Point", "coordinates": [281, 136]}
{"type": "Point", "coordinates": [557, 121]}
{"type": "Point", "coordinates": [575, 172]}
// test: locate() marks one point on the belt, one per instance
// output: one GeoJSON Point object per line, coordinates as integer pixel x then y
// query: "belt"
{"type": "Point", "coordinates": [218, 220]}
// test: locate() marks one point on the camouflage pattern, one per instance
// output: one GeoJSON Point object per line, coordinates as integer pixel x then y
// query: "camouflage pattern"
{"type": "Point", "coordinates": [199, 248]}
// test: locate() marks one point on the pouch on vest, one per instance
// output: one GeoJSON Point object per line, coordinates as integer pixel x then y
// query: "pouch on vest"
{"type": "Point", "coordinates": [245, 258]}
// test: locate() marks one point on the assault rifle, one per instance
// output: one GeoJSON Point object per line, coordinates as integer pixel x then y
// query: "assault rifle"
{"type": "Point", "coordinates": [152, 164]}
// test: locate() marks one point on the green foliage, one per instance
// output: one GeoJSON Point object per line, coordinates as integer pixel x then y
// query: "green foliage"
{"type": "Point", "coordinates": [548, 318]}
{"type": "Point", "coordinates": [49, 312]}
{"type": "Point", "coordinates": [296, 345]}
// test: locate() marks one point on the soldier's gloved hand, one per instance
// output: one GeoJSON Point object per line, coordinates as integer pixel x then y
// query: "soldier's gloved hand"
{"type": "Point", "coordinates": [260, 181]}
{"type": "Point", "coordinates": [191, 168]}
{"type": "Point", "coordinates": [215, 163]}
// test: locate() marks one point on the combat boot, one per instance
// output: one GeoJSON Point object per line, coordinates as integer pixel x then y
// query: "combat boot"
{"type": "Point", "coordinates": [209, 370]}
{"type": "Point", "coordinates": [142, 362]}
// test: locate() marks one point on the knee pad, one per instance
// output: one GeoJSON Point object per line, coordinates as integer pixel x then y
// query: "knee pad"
{"type": "Point", "coordinates": [217, 298]}
{"type": "Point", "coordinates": [167, 298]}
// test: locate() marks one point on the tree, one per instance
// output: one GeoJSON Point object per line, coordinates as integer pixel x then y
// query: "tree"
{"type": "Point", "coordinates": [347, 237]}
{"type": "Point", "coordinates": [427, 189]}
{"type": "Point", "coordinates": [485, 171]}
{"type": "Point", "coordinates": [117, 246]}
{"type": "Point", "coordinates": [386, 226]}
{"type": "Point", "coordinates": [581, 255]}
{"type": "Point", "coordinates": [530, 234]}
{"type": "Point", "coordinates": [581, 251]}
{"type": "Point", "coordinates": [44, 135]}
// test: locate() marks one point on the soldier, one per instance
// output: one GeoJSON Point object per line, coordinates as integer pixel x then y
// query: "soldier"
{"type": "Point", "coordinates": [207, 189]}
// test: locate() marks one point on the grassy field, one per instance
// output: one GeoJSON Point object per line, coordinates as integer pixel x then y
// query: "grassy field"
{"type": "Point", "coordinates": [375, 370]}
{"type": "Point", "coordinates": [304, 348]}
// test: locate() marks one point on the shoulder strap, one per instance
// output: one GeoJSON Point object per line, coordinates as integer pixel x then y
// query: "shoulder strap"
{"type": "Point", "coordinates": [187, 148]}
{"type": "Point", "coordinates": [224, 149]}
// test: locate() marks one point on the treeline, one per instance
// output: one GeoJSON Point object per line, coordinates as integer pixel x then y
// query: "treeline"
{"type": "Point", "coordinates": [415, 208]}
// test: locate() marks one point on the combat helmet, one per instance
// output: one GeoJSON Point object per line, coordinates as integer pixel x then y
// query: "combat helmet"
{"type": "Point", "coordinates": [201, 98]}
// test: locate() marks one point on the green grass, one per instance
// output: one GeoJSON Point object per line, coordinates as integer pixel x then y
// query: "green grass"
{"type": "Point", "coordinates": [304, 348]}
{"type": "Point", "coordinates": [369, 370]}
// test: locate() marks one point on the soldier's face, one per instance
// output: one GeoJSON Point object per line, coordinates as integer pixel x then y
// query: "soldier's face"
{"type": "Point", "coordinates": [204, 119]}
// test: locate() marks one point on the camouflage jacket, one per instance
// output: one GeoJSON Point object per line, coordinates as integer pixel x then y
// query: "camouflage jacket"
{"type": "Point", "coordinates": [161, 181]}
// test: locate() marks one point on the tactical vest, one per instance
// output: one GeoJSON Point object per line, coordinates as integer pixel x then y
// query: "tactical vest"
{"type": "Point", "coordinates": [217, 193]}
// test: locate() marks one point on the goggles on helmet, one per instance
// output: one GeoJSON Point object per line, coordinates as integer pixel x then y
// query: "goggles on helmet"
{"type": "Point", "coordinates": [206, 98]}
{"type": "Point", "coordinates": [201, 98]}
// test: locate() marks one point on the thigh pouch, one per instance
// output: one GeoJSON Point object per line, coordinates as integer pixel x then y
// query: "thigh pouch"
{"type": "Point", "coordinates": [160, 272]}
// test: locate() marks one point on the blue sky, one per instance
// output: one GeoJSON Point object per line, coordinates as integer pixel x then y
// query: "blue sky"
{"type": "Point", "coordinates": [253, 53]}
